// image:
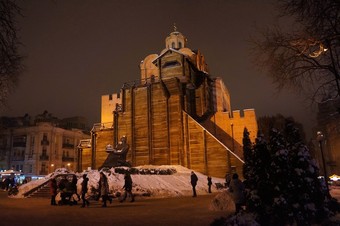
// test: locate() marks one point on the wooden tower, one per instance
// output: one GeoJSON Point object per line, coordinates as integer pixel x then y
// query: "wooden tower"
{"type": "Point", "coordinates": [175, 114]}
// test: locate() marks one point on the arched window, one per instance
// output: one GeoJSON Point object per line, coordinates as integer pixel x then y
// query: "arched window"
{"type": "Point", "coordinates": [173, 45]}
{"type": "Point", "coordinates": [180, 45]}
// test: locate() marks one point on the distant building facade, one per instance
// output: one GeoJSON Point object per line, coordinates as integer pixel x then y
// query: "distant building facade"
{"type": "Point", "coordinates": [41, 145]}
{"type": "Point", "coordinates": [328, 120]}
{"type": "Point", "coordinates": [175, 114]}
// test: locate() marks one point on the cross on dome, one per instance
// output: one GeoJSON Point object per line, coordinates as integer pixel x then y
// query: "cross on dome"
{"type": "Point", "coordinates": [175, 28]}
{"type": "Point", "coordinates": [175, 40]}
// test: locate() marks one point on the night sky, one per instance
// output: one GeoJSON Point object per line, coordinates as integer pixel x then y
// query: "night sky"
{"type": "Point", "coordinates": [77, 50]}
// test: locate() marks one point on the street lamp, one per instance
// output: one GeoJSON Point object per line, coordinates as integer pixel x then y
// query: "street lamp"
{"type": "Point", "coordinates": [320, 138]}
{"type": "Point", "coordinates": [68, 166]}
{"type": "Point", "coordinates": [52, 167]}
{"type": "Point", "coordinates": [232, 136]}
{"type": "Point", "coordinates": [228, 153]}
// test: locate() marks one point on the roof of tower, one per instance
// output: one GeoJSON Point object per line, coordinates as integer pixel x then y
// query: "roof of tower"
{"type": "Point", "coordinates": [175, 39]}
{"type": "Point", "coordinates": [175, 32]}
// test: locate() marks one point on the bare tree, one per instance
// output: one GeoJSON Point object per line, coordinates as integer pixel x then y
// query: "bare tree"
{"type": "Point", "coordinates": [306, 59]}
{"type": "Point", "coordinates": [10, 59]}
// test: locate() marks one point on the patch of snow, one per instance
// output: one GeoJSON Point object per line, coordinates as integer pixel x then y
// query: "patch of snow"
{"type": "Point", "coordinates": [177, 184]}
{"type": "Point", "coordinates": [223, 201]}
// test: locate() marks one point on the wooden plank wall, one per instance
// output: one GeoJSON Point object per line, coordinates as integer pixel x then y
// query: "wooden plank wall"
{"type": "Point", "coordinates": [164, 134]}
{"type": "Point", "coordinates": [200, 100]}
{"type": "Point", "coordinates": [159, 126]}
{"type": "Point", "coordinates": [216, 157]}
{"type": "Point", "coordinates": [124, 123]}
{"type": "Point", "coordinates": [141, 129]}
{"type": "Point", "coordinates": [103, 138]}
{"type": "Point", "coordinates": [175, 131]}
{"type": "Point", "coordinates": [196, 144]}
{"type": "Point", "coordinates": [205, 153]}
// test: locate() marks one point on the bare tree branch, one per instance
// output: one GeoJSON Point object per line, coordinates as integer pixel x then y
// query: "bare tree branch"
{"type": "Point", "coordinates": [306, 60]}
{"type": "Point", "coordinates": [10, 59]}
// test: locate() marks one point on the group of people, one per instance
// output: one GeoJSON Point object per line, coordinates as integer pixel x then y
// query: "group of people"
{"type": "Point", "coordinates": [104, 188]}
{"type": "Point", "coordinates": [193, 181]}
{"type": "Point", "coordinates": [68, 190]}
{"type": "Point", "coordinates": [8, 182]}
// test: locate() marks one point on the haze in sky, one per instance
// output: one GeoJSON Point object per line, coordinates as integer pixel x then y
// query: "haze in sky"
{"type": "Point", "coordinates": [77, 51]}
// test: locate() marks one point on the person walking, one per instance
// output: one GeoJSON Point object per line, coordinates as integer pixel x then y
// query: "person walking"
{"type": "Point", "coordinates": [84, 191]}
{"type": "Point", "coordinates": [104, 189]}
{"type": "Point", "coordinates": [128, 187]}
{"type": "Point", "coordinates": [53, 191]}
{"type": "Point", "coordinates": [209, 184]}
{"type": "Point", "coordinates": [193, 181]}
{"type": "Point", "coordinates": [236, 187]}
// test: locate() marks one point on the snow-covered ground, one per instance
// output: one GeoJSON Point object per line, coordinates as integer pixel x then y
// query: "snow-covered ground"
{"type": "Point", "coordinates": [158, 186]}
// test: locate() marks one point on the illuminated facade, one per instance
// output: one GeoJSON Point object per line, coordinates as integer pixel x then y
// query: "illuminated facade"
{"type": "Point", "coordinates": [39, 147]}
{"type": "Point", "coordinates": [175, 114]}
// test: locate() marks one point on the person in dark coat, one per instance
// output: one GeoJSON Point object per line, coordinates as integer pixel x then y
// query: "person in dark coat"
{"type": "Point", "coordinates": [53, 191]}
{"type": "Point", "coordinates": [193, 181]}
{"type": "Point", "coordinates": [209, 184]}
{"type": "Point", "coordinates": [74, 186]}
{"type": "Point", "coordinates": [227, 179]}
{"type": "Point", "coordinates": [128, 187]}
{"type": "Point", "coordinates": [62, 188]}
{"type": "Point", "coordinates": [236, 187]}
{"type": "Point", "coordinates": [104, 189]}
{"type": "Point", "coordinates": [12, 182]}
{"type": "Point", "coordinates": [7, 183]}
{"type": "Point", "coordinates": [84, 191]}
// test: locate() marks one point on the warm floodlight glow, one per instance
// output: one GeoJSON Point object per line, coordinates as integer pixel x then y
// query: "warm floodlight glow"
{"type": "Point", "coordinates": [310, 47]}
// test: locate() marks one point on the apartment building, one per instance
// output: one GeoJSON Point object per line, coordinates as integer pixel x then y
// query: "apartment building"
{"type": "Point", "coordinates": [41, 145]}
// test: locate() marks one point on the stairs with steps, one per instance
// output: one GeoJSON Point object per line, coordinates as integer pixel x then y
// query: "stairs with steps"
{"type": "Point", "coordinates": [43, 192]}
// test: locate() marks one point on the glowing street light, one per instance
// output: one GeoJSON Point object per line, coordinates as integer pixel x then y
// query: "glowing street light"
{"type": "Point", "coordinates": [52, 167]}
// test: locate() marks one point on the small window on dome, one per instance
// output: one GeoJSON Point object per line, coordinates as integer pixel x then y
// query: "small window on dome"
{"type": "Point", "coordinates": [173, 45]}
{"type": "Point", "coordinates": [180, 45]}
